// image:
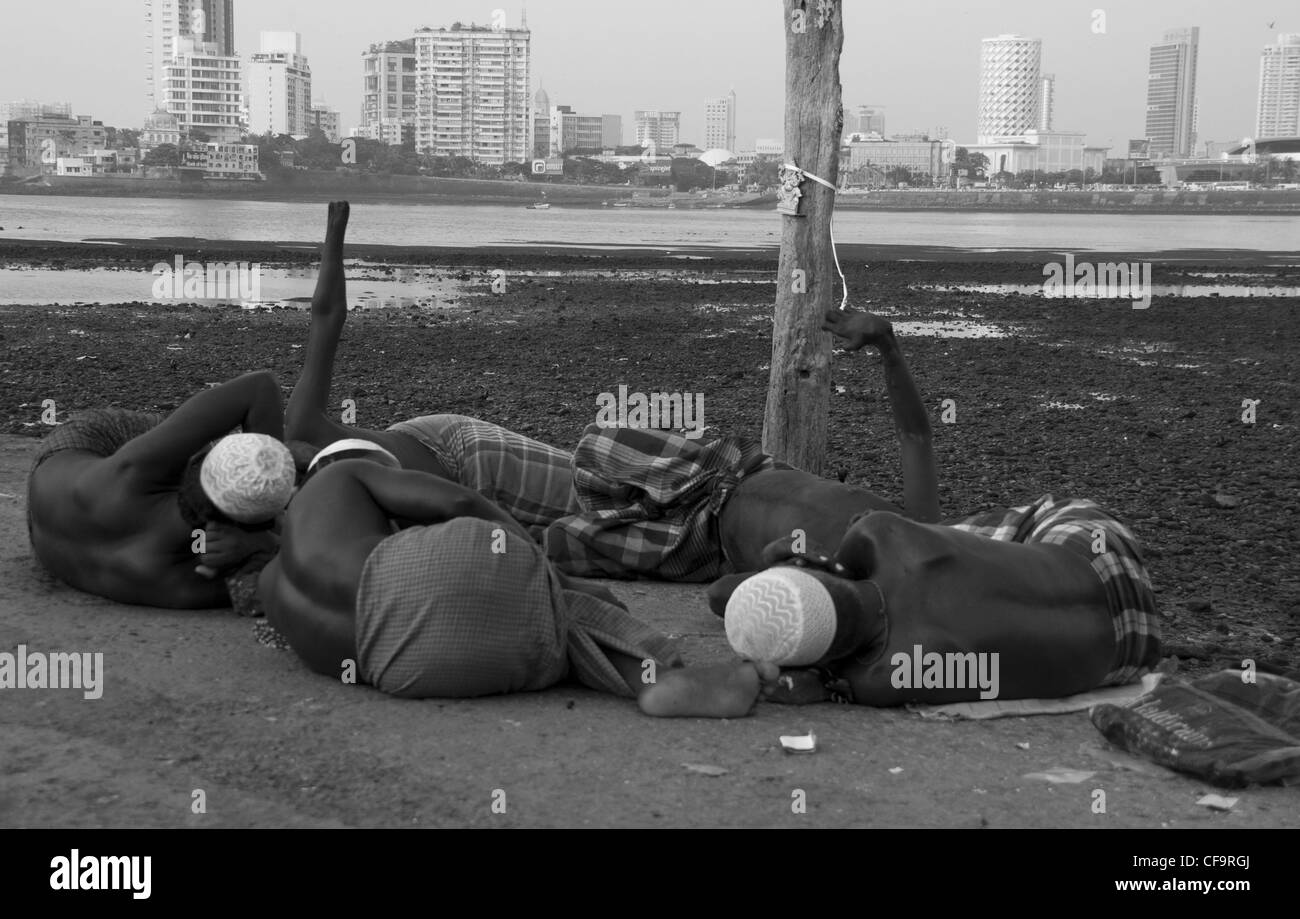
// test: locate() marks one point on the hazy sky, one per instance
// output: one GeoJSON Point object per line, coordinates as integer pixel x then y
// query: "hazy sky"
{"type": "Point", "coordinates": [918, 58]}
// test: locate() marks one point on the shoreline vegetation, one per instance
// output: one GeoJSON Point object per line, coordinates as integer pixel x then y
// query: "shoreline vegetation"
{"type": "Point", "coordinates": [416, 190]}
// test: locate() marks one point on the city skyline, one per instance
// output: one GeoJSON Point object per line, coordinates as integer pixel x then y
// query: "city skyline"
{"type": "Point", "coordinates": [621, 64]}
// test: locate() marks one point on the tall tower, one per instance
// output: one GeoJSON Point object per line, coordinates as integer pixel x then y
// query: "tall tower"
{"type": "Point", "coordinates": [1171, 93]}
{"type": "Point", "coordinates": [1047, 102]}
{"type": "Point", "coordinates": [1279, 88]}
{"type": "Point", "coordinates": [279, 87]}
{"type": "Point", "coordinates": [541, 123]}
{"type": "Point", "coordinates": [206, 22]}
{"type": "Point", "coordinates": [720, 122]}
{"type": "Point", "coordinates": [472, 93]}
{"type": "Point", "coordinates": [1010, 86]}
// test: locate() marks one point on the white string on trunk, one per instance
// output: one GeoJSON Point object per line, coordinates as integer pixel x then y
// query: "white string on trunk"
{"type": "Point", "coordinates": [844, 300]}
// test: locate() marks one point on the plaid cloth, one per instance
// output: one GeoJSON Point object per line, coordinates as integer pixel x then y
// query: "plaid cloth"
{"type": "Point", "coordinates": [441, 614]}
{"type": "Point", "coordinates": [529, 480]}
{"type": "Point", "coordinates": [650, 502]}
{"type": "Point", "coordinates": [1074, 525]}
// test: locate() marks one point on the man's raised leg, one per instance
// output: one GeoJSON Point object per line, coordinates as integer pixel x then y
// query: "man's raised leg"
{"type": "Point", "coordinates": [305, 416]}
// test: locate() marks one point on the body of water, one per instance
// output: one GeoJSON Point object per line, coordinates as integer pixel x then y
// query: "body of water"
{"type": "Point", "coordinates": [79, 218]}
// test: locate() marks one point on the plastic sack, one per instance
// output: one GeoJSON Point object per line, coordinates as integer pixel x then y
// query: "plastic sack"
{"type": "Point", "coordinates": [1220, 727]}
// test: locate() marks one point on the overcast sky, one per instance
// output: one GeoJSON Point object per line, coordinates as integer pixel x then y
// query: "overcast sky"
{"type": "Point", "coordinates": [918, 58]}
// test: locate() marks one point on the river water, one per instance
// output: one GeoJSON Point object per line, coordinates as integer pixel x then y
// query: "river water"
{"type": "Point", "coordinates": [74, 218]}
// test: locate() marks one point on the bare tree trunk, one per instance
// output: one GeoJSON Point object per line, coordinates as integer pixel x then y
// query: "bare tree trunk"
{"type": "Point", "coordinates": [798, 395]}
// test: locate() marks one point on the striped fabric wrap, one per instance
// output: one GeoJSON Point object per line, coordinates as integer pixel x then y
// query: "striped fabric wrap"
{"type": "Point", "coordinates": [463, 608]}
{"type": "Point", "coordinates": [1083, 527]}
{"type": "Point", "coordinates": [529, 480]}
{"type": "Point", "coordinates": [650, 502]}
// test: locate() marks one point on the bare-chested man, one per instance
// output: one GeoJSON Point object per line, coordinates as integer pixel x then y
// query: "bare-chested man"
{"type": "Point", "coordinates": [1045, 600]}
{"type": "Point", "coordinates": [424, 588]}
{"type": "Point", "coordinates": [105, 498]}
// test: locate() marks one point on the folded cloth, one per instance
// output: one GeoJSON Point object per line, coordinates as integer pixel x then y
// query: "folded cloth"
{"type": "Point", "coordinates": [464, 608]}
{"type": "Point", "coordinates": [1113, 552]}
{"type": "Point", "coordinates": [529, 480]}
{"type": "Point", "coordinates": [99, 431]}
{"type": "Point", "coordinates": [650, 502]}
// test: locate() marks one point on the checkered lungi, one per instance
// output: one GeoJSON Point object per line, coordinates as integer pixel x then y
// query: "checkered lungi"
{"type": "Point", "coordinates": [442, 611]}
{"type": "Point", "coordinates": [650, 503]}
{"type": "Point", "coordinates": [529, 480]}
{"type": "Point", "coordinates": [1075, 525]}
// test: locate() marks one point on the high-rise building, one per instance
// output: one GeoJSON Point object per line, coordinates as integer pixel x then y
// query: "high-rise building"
{"type": "Point", "coordinates": [869, 119]}
{"type": "Point", "coordinates": [472, 87]}
{"type": "Point", "coordinates": [611, 132]}
{"type": "Point", "coordinates": [720, 122]}
{"type": "Point", "coordinates": [1047, 102]}
{"type": "Point", "coordinates": [1279, 88]}
{"type": "Point", "coordinates": [209, 22]}
{"type": "Point", "coordinates": [204, 90]}
{"type": "Point", "coordinates": [279, 87]}
{"type": "Point", "coordinates": [389, 91]}
{"type": "Point", "coordinates": [663, 129]}
{"type": "Point", "coordinates": [541, 123]}
{"type": "Point", "coordinates": [326, 120]}
{"type": "Point", "coordinates": [1010, 87]}
{"type": "Point", "coordinates": [1171, 93]}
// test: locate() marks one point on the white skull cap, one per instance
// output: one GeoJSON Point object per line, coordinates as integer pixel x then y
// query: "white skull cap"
{"type": "Point", "coordinates": [249, 477]}
{"type": "Point", "coordinates": [783, 615]}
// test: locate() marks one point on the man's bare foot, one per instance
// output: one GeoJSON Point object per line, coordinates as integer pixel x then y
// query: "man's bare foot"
{"type": "Point", "coordinates": [330, 302]}
{"type": "Point", "coordinates": [336, 227]}
{"type": "Point", "coordinates": [713, 691]}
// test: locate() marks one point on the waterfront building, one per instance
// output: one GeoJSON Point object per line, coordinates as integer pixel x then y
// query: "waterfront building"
{"type": "Point", "coordinates": [472, 87]}
{"type": "Point", "coordinates": [389, 91]}
{"type": "Point", "coordinates": [1010, 87]}
{"type": "Point", "coordinates": [1171, 94]}
{"type": "Point", "coordinates": [720, 122]}
{"type": "Point", "coordinates": [210, 22]}
{"type": "Point", "coordinates": [279, 86]}
{"type": "Point", "coordinates": [1278, 112]}
{"type": "Point", "coordinates": [663, 129]}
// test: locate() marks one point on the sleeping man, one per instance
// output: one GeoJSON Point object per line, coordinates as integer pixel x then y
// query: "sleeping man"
{"type": "Point", "coordinates": [115, 496]}
{"type": "Point", "coordinates": [423, 588]}
{"type": "Point", "coordinates": [1045, 600]}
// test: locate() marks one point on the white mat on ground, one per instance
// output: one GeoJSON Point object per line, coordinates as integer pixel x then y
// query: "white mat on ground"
{"type": "Point", "coordinates": [1019, 708]}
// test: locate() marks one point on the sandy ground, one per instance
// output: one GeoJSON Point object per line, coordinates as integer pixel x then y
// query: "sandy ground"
{"type": "Point", "coordinates": [192, 702]}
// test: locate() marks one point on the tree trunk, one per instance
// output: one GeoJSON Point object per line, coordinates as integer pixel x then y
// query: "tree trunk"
{"type": "Point", "coordinates": [798, 395]}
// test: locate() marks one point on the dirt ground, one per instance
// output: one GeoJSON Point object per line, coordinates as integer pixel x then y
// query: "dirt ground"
{"type": "Point", "coordinates": [192, 702]}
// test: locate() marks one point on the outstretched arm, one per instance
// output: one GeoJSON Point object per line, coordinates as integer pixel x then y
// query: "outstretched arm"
{"type": "Point", "coordinates": [920, 477]}
{"type": "Point", "coordinates": [158, 457]}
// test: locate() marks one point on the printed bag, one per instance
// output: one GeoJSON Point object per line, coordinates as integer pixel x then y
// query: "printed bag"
{"type": "Point", "coordinates": [1220, 727]}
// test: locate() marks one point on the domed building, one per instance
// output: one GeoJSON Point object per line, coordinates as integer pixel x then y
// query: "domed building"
{"type": "Point", "coordinates": [161, 127]}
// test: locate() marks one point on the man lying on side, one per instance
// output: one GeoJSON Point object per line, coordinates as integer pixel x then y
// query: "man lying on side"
{"type": "Point", "coordinates": [424, 588]}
